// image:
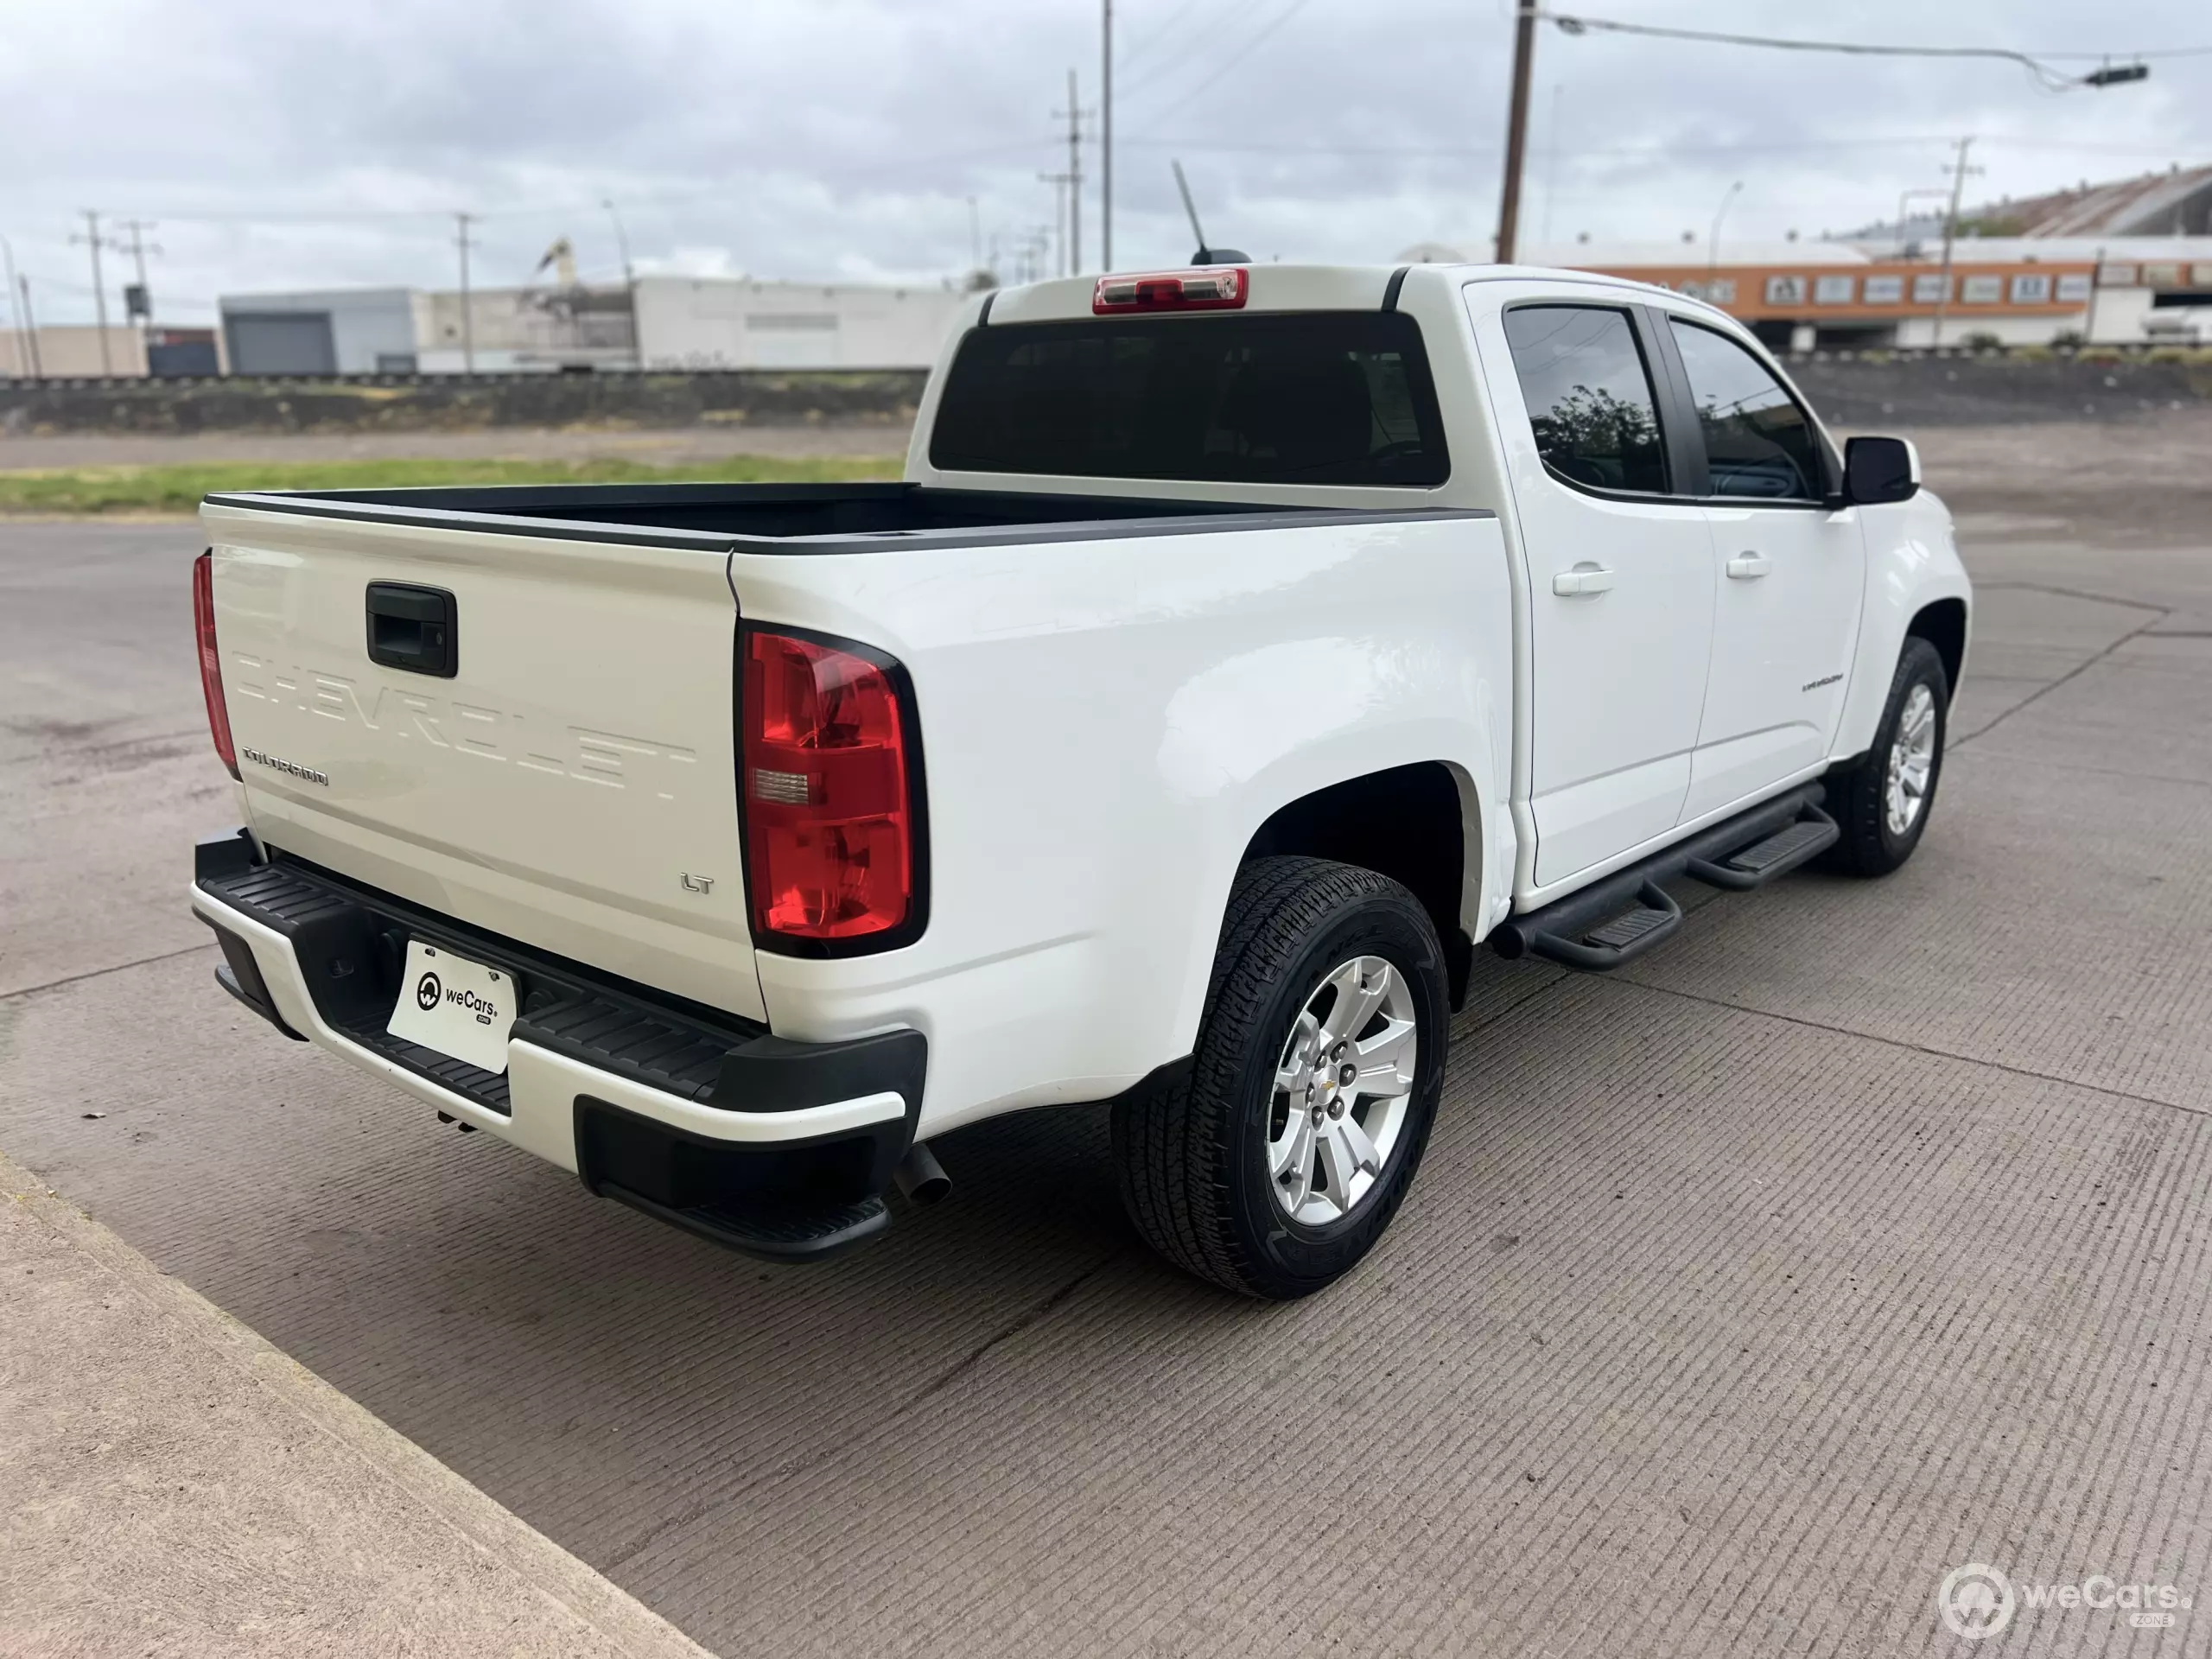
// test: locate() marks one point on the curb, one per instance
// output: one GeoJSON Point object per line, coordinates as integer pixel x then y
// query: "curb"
{"type": "Point", "coordinates": [483, 1526]}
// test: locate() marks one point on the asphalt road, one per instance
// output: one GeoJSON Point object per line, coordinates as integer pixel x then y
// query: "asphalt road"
{"type": "Point", "coordinates": [1861, 1233]}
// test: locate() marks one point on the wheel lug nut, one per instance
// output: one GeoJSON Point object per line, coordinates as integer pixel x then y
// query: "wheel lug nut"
{"type": "Point", "coordinates": [1349, 1075]}
{"type": "Point", "coordinates": [1336, 1108]}
{"type": "Point", "coordinates": [1338, 1052]}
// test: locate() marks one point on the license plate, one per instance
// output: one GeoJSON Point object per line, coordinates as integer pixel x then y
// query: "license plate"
{"type": "Point", "coordinates": [461, 1008]}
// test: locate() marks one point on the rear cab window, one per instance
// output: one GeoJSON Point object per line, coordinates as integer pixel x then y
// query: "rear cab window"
{"type": "Point", "coordinates": [1339, 397]}
{"type": "Point", "coordinates": [1589, 395]}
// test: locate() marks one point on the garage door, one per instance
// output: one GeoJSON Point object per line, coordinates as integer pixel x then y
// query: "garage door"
{"type": "Point", "coordinates": [281, 342]}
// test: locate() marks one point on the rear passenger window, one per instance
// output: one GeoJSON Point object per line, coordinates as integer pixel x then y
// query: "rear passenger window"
{"type": "Point", "coordinates": [1757, 441]}
{"type": "Point", "coordinates": [1589, 396]}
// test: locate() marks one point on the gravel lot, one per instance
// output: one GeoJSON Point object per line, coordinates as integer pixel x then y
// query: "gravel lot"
{"type": "Point", "coordinates": [1863, 1232]}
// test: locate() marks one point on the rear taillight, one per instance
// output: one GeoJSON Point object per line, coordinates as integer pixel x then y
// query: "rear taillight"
{"type": "Point", "coordinates": [211, 660]}
{"type": "Point", "coordinates": [1223, 289]}
{"type": "Point", "coordinates": [832, 835]}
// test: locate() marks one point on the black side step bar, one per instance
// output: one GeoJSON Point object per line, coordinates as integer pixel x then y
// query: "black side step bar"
{"type": "Point", "coordinates": [1618, 919]}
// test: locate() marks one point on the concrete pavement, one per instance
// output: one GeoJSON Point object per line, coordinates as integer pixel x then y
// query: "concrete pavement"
{"type": "Point", "coordinates": [173, 1483]}
{"type": "Point", "coordinates": [1861, 1233]}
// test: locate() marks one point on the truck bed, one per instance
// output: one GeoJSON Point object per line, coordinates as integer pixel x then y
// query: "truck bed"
{"type": "Point", "coordinates": [764, 516]}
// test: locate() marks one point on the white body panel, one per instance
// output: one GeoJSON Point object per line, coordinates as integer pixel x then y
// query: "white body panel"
{"type": "Point", "coordinates": [1105, 722]}
{"type": "Point", "coordinates": [1616, 670]}
{"type": "Point", "coordinates": [1789, 583]}
{"type": "Point", "coordinates": [557, 790]}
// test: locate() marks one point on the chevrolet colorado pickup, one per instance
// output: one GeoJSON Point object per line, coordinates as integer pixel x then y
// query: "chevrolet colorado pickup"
{"type": "Point", "coordinates": [1243, 649]}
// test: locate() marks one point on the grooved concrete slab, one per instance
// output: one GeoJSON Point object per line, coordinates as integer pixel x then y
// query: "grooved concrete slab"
{"type": "Point", "coordinates": [1858, 1234]}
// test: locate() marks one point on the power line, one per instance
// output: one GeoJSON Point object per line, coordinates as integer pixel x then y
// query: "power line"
{"type": "Point", "coordinates": [1201, 40]}
{"type": "Point", "coordinates": [1159, 34]}
{"type": "Point", "coordinates": [871, 168]}
{"type": "Point", "coordinates": [1657, 152]}
{"type": "Point", "coordinates": [1259, 38]}
{"type": "Point", "coordinates": [1653, 152]}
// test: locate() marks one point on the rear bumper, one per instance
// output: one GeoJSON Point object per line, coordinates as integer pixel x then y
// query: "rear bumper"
{"type": "Point", "coordinates": [709, 1121]}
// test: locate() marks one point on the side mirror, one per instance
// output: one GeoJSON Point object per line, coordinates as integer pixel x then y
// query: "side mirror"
{"type": "Point", "coordinates": [1877, 470]}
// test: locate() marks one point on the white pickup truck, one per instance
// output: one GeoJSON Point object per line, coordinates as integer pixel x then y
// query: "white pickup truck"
{"type": "Point", "coordinates": [1243, 649]}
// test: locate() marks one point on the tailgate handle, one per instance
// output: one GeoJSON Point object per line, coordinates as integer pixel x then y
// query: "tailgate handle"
{"type": "Point", "coordinates": [414, 628]}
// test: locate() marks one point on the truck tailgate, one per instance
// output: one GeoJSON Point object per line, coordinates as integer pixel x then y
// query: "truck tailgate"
{"type": "Point", "coordinates": [570, 783]}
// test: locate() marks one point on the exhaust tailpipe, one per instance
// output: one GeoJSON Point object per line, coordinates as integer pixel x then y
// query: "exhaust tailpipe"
{"type": "Point", "coordinates": [920, 1176]}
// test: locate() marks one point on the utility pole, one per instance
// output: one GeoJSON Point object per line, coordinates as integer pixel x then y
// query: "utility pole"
{"type": "Point", "coordinates": [1516, 129]}
{"type": "Point", "coordinates": [93, 239]}
{"type": "Point", "coordinates": [23, 334]}
{"type": "Point", "coordinates": [629, 280]}
{"type": "Point", "coordinates": [1551, 165]}
{"type": "Point", "coordinates": [622, 244]}
{"type": "Point", "coordinates": [30, 327]}
{"type": "Point", "coordinates": [1712, 243]}
{"type": "Point", "coordinates": [1063, 199]}
{"type": "Point", "coordinates": [2096, 281]}
{"type": "Point", "coordinates": [138, 227]}
{"type": "Point", "coordinates": [1950, 235]}
{"type": "Point", "coordinates": [461, 222]}
{"type": "Point", "coordinates": [1074, 179]}
{"type": "Point", "coordinates": [1106, 140]}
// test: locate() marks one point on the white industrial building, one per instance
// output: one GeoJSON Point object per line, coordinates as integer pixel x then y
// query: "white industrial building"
{"type": "Point", "coordinates": [336, 331]}
{"type": "Point", "coordinates": [717, 322]}
{"type": "Point", "coordinates": [657, 322]}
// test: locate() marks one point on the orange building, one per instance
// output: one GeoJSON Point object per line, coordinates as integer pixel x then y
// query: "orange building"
{"type": "Point", "coordinates": [1886, 301]}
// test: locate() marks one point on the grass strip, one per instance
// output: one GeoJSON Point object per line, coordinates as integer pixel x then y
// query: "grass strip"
{"type": "Point", "coordinates": [94, 490]}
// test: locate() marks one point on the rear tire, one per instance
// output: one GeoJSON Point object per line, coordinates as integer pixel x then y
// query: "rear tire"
{"type": "Point", "coordinates": [1239, 1171]}
{"type": "Point", "coordinates": [1883, 802]}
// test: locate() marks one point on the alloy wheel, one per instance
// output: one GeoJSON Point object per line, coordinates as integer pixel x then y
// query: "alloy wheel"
{"type": "Point", "coordinates": [1912, 761]}
{"type": "Point", "coordinates": [1343, 1089]}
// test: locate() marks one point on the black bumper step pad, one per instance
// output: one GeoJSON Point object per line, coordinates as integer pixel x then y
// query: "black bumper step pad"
{"type": "Point", "coordinates": [768, 1235]}
{"type": "Point", "coordinates": [802, 1199]}
{"type": "Point", "coordinates": [352, 946]}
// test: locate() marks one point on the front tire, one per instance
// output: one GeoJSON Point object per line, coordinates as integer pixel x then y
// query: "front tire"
{"type": "Point", "coordinates": [1883, 802]}
{"type": "Point", "coordinates": [1273, 1166]}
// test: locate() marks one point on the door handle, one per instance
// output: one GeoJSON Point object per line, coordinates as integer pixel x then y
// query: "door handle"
{"type": "Point", "coordinates": [1747, 567]}
{"type": "Point", "coordinates": [1583, 579]}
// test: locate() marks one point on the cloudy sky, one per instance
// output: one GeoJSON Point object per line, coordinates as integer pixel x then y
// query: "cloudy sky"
{"type": "Point", "coordinates": [277, 144]}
